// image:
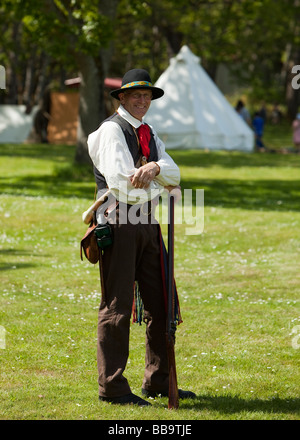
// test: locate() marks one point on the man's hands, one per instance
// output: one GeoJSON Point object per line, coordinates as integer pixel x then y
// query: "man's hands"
{"type": "Point", "coordinates": [144, 175]}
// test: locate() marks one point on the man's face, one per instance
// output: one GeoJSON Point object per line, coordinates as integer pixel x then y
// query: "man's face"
{"type": "Point", "coordinates": [136, 102]}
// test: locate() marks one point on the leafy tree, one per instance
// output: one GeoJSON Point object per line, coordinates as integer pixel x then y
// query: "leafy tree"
{"type": "Point", "coordinates": [26, 64]}
{"type": "Point", "coordinates": [73, 33]}
{"type": "Point", "coordinates": [258, 40]}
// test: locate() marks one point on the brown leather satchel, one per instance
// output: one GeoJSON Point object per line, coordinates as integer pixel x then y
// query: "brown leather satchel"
{"type": "Point", "coordinates": [89, 244]}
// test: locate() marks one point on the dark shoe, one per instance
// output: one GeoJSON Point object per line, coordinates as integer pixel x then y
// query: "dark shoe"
{"type": "Point", "coordinates": [181, 394]}
{"type": "Point", "coordinates": [128, 399]}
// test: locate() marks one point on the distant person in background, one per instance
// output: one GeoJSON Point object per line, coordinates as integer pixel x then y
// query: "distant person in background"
{"type": "Point", "coordinates": [263, 112]}
{"type": "Point", "coordinates": [41, 121]}
{"type": "Point", "coordinates": [276, 115]}
{"type": "Point", "coordinates": [42, 117]}
{"type": "Point", "coordinates": [258, 127]}
{"type": "Point", "coordinates": [296, 133]}
{"type": "Point", "coordinates": [243, 111]}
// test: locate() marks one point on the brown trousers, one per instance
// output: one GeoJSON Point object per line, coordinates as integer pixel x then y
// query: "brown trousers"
{"type": "Point", "coordinates": [134, 255]}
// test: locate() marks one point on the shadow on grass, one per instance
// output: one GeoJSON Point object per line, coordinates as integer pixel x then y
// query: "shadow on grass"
{"type": "Point", "coordinates": [21, 252]}
{"type": "Point", "coordinates": [47, 186]}
{"type": "Point", "coordinates": [59, 153]}
{"type": "Point", "coordinates": [233, 159]}
{"type": "Point", "coordinates": [190, 158]}
{"type": "Point", "coordinates": [235, 404]}
{"type": "Point", "coordinates": [71, 180]}
{"type": "Point", "coordinates": [265, 195]}
{"type": "Point", "coordinates": [4, 265]}
{"type": "Point", "coordinates": [15, 266]}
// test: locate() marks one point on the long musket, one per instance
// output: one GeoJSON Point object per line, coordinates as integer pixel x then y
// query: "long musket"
{"type": "Point", "coordinates": [171, 324]}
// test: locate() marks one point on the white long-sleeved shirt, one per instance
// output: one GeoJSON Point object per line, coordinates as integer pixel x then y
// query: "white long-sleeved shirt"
{"type": "Point", "coordinates": [111, 156]}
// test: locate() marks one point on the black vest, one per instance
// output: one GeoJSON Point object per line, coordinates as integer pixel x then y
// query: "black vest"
{"type": "Point", "coordinates": [132, 144]}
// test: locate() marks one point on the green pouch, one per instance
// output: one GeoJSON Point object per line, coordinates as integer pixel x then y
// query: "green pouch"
{"type": "Point", "coordinates": [104, 235]}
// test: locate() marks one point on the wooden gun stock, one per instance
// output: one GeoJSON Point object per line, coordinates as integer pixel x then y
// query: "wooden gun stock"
{"type": "Point", "coordinates": [87, 216]}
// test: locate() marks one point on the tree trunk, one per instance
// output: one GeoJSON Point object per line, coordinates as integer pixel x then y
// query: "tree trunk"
{"type": "Point", "coordinates": [91, 101]}
{"type": "Point", "coordinates": [29, 83]}
{"type": "Point", "coordinates": [292, 95]}
{"type": "Point", "coordinates": [13, 82]}
{"type": "Point", "coordinates": [91, 104]}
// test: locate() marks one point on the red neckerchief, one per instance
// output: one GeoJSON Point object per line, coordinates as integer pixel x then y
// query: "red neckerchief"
{"type": "Point", "coordinates": [144, 137]}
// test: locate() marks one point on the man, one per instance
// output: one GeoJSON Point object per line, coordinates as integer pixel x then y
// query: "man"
{"type": "Point", "coordinates": [131, 161]}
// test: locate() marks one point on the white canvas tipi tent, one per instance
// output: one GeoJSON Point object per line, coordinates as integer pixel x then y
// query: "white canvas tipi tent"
{"type": "Point", "coordinates": [193, 113]}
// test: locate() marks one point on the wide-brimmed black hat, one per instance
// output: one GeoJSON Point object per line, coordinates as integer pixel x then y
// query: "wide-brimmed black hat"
{"type": "Point", "coordinates": [137, 79]}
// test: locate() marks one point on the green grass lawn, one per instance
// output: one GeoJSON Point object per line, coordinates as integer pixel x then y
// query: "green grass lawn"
{"type": "Point", "coordinates": [238, 283]}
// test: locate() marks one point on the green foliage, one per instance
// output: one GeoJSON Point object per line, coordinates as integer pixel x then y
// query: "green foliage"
{"type": "Point", "coordinates": [251, 37]}
{"type": "Point", "coordinates": [62, 28]}
{"type": "Point", "coordinates": [256, 40]}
